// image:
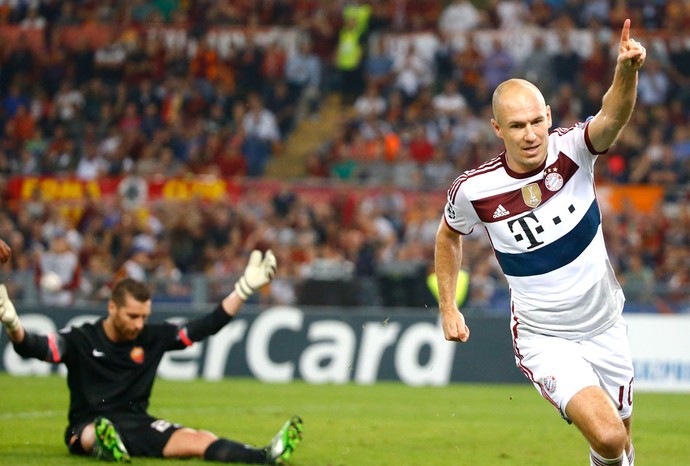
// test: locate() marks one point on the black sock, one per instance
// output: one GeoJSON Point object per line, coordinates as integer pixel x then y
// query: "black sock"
{"type": "Point", "coordinates": [227, 451]}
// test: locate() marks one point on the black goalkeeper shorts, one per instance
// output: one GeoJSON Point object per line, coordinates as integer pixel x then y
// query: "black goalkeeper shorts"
{"type": "Point", "coordinates": [143, 435]}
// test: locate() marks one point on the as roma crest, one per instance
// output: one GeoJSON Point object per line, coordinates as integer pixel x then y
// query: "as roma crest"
{"type": "Point", "coordinates": [531, 194]}
{"type": "Point", "coordinates": [137, 354]}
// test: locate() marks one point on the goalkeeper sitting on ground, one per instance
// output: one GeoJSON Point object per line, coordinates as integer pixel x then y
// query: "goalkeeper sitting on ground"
{"type": "Point", "coordinates": [112, 365]}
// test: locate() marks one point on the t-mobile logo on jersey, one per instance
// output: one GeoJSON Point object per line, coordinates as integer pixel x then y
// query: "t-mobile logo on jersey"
{"type": "Point", "coordinates": [526, 230]}
{"type": "Point", "coordinates": [531, 233]}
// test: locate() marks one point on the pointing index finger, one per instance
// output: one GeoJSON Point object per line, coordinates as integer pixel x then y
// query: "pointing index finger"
{"type": "Point", "coordinates": [625, 34]}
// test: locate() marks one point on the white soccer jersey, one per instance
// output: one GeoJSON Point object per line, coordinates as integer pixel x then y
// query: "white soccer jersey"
{"type": "Point", "coordinates": [545, 227]}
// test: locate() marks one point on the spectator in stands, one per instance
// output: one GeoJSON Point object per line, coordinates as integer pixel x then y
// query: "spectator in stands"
{"type": "Point", "coordinates": [597, 10]}
{"type": "Point", "coordinates": [510, 14]}
{"type": "Point", "coordinates": [109, 61]}
{"type": "Point", "coordinates": [679, 64]}
{"type": "Point", "coordinates": [421, 148]}
{"type": "Point", "coordinates": [14, 99]}
{"type": "Point", "coordinates": [20, 65]}
{"type": "Point", "coordinates": [654, 85]}
{"type": "Point", "coordinates": [371, 103]}
{"type": "Point", "coordinates": [230, 161]}
{"type": "Point", "coordinates": [248, 75]}
{"type": "Point", "coordinates": [58, 272]}
{"type": "Point", "coordinates": [203, 66]}
{"type": "Point", "coordinates": [413, 72]}
{"type": "Point", "coordinates": [68, 101]}
{"type": "Point", "coordinates": [262, 135]}
{"type": "Point", "coordinates": [303, 75]}
{"type": "Point", "coordinates": [378, 65]}
{"type": "Point", "coordinates": [350, 54]}
{"type": "Point", "coordinates": [91, 165]}
{"type": "Point", "coordinates": [274, 62]}
{"type": "Point", "coordinates": [449, 104]}
{"type": "Point", "coordinates": [541, 12]}
{"type": "Point", "coordinates": [82, 60]}
{"type": "Point", "coordinates": [406, 172]}
{"type": "Point", "coordinates": [437, 171]}
{"type": "Point", "coordinates": [459, 16]}
{"type": "Point", "coordinates": [565, 62]}
{"type": "Point", "coordinates": [322, 31]}
{"type": "Point", "coordinates": [137, 265]}
{"type": "Point", "coordinates": [483, 284]}
{"type": "Point", "coordinates": [22, 124]}
{"type": "Point", "coordinates": [537, 67]}
{"type": "Point", "coordinates": [596, 67]}
{"type": "Point", "coordinates": [498, 65]}
{"type": "Point", "coordinates": [638, 282]}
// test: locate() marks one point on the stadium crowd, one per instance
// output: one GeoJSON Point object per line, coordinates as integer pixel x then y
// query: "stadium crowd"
{"type": "Point", "coordinates": [414, 80]}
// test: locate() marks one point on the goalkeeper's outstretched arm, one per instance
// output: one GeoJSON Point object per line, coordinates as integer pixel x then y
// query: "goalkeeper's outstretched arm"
{"type": "Point", "coordinates": [260, 270]}
{"type": "Point", "coordinates": [9, 317]}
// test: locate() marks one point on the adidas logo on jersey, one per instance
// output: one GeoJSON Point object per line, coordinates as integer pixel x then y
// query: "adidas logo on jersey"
{"type": "Point", "coordinates": [501, 211]}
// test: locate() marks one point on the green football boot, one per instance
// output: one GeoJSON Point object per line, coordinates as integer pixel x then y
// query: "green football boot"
{"type": "Point", "coordinates": [285, 441]}
{"type": "Point", "coordinates": [109, 446]}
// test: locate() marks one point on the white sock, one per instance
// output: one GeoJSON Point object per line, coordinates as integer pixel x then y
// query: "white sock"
{"type": "Point", "coordinates": [595, 459]}
{"type": "Point", "coordinates": [631, 456]}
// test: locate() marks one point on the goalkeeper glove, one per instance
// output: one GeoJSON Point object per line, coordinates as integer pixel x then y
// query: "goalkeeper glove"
{"type": "Point", "coordinates": [8, 315]}
{"type": "Point", "coordinates": [259, 272]}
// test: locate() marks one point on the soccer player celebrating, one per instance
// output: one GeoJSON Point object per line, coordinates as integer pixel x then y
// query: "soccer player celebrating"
{"type": "Point", "coordinates": [112, 365]}
{"type": "Point", "coordinates": [538, 204]}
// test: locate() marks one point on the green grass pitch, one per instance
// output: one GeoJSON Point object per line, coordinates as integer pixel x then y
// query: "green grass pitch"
{"type": "Point", "coordinates": [380, 425]}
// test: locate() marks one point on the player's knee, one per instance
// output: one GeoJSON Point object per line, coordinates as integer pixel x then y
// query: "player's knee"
{"type": "Point", "coordinates": [611, 441]}
{"type": "Point", "coordinates": [80, 441]}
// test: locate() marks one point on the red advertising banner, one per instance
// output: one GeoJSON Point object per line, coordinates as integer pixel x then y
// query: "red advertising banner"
{"type": "Point", "coordinates": [75, 190]}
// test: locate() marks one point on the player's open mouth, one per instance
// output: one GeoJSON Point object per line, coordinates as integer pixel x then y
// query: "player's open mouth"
{"type": "Point", "coordinates": [531, 150]}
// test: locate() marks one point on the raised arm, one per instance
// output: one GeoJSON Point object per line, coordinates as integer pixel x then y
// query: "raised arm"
{"type": "Point", "coordinates": [9, 317]}
{"type": "Point", "coordinates": [260, 270]}
{"type": "Point", "coordinates": [619, 100]}
{"type": "Point", "coordinates": [447, 261]}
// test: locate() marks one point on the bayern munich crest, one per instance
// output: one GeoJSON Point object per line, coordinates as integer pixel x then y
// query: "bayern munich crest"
{"type": "Point", "coordinates": [549, 383]}
{"type": "Point", "coordinates": [553, 181]}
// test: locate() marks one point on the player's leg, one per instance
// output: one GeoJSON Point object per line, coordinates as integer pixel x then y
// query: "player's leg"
{"type": "Point", "coordinates": [279, 451]}
{"type": "Point", "coordinates": [610, 356]}
{"type": "Point", "coordinates": [593, 412]}
{"type": "Point", "coordinates": [80, 439]}
{"type": "Point", "coordinates": [560, 371]}
{"type": "Point", "coordinates": [188, 443]}
{"type": "Point", "coordinates": [629, 449]}
{"type": "Point", "coordinates": [185, 443]}
{"type": "Point", "coordinates": [191, 443]}
{"type": "Point", "coordinates": [99, 438]}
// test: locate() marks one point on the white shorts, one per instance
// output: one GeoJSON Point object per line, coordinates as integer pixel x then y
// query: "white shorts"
{"type": "Point", "coordinates": [560, 368]}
